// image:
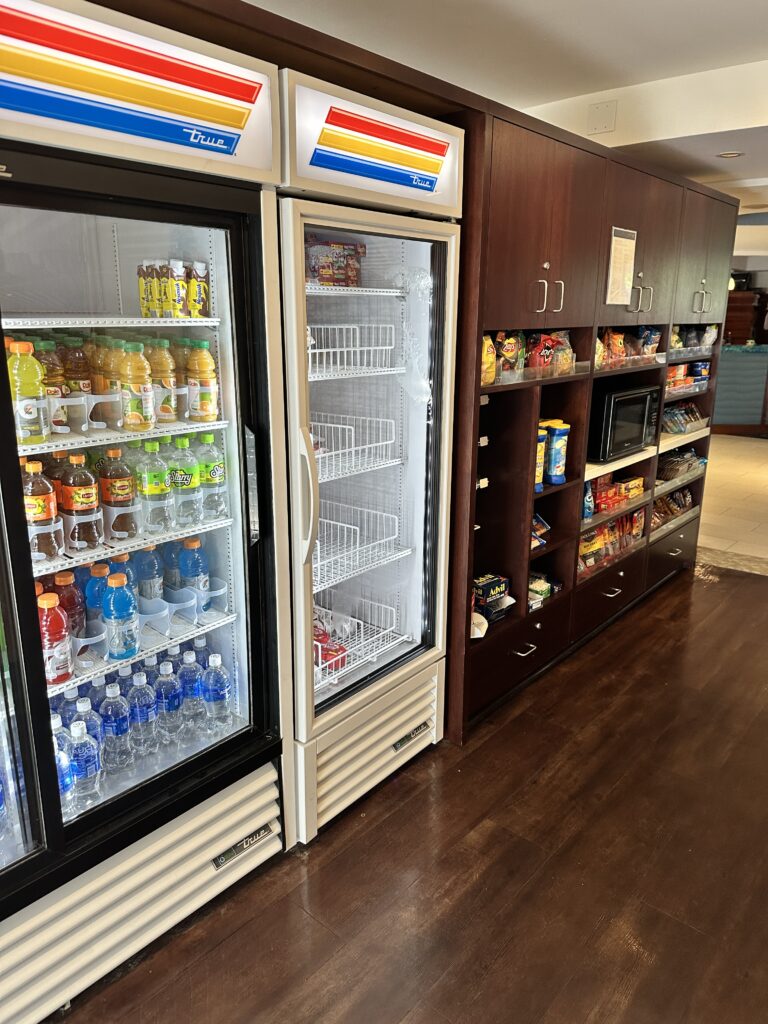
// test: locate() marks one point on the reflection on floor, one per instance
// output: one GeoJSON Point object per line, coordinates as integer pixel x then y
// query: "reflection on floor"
{"type": "Point", "coordinates": [734, 521]}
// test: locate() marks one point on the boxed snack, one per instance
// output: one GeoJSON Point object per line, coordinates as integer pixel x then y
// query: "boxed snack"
{"type": "Point", "coordinates": [491, 596]}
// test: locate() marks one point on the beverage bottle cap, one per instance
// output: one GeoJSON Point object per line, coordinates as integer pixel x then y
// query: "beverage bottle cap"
{"type": "Point", "coordinates": [34, 467]}
{"type": "Point", "coordinates": [78, 730]}
{"type": "Point", "coordinates": [214, 661]}
{"type": "Point", "coordinates": [99, 569]}
{"type": "Point", "coordinates": [151, 446]}
{"type": "Point", "coordinates": [120, 558]}
{"type": "Point", "coordinates": [117, 579]}
{"type": "Point", "coordinates": [124, 670]}
{"type": "Point", "coordinates": [22, 461]}
{"type": "Point", "coordinates": [182, 442]}
{"type": "Point", "coordinates": [192, 543]}
{"type": "Point", "coordinates": [199, 642]}
{"type": "Point", "coordinates": [55, 722]}
{"type": "Point", "coordinates": [139, 678]}
{"type": "Point", "coordinates": [134, 346]}
{"type": "Point", "coordinates": [202, 343]}
{"type": "Point", "coordinates": [99, 680]}
{"type": "Point", "coordinates": [43, 345]}
{"type": "Point", "coordinates": [174, 649]}
{"type": "Point", "coordinates": [114, 453]}
{"type": "Point", "coordinates": [113, 689]}
{"type": "Point", "coordinates": [63, 579]}
{"type": "Point", "coordinates": [70, 693]}
{"type": "Point", "coordinates": [38, 588]}
{"type": "Point", "coordinates": [48, 601]}
{"type": "Point", "coordinates": [21, 348]}
{"type": "Point", "coordinates": [166, 668]}
{"type": "Point", "coordinates": [83, 704]}
{"type": "Point", "coordinates": [59, 455]}
{"type": "Point", "coordinates": [77, 460]}
{"type": "Point", "coordinates": [206, 438]}
{"type": "Point", "coordinates": [134, 444]}
{"type": "Point", "coordinates": [189, 657]}
{"type": "Point", "coordinates": [161, 343]}
{"type": "Point", "coordinates": [151, 660]}
{"type": "Point", "coordinates": [165, 439]}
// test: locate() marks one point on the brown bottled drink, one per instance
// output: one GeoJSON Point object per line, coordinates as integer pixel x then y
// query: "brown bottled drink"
{"type": "Point", "coordinates": [41, 511]}
{"type": "Point", "coordinates": [117, 486]}
{"type": "Point", "coordinates": [55, 468]}
{"type": "Point", "coordinates": [80, 500]}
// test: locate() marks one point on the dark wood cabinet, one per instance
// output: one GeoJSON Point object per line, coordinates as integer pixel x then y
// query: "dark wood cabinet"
{"type": "Point", "coordinates": [543, 231]}
{"type": "Point", "coordinates": [672, 553]}
{"type": "Point", "coordinates": [705, 257]}
{"type": "Point", "coordinates": [610, 592]}
{"type": "Point", "coordinates": [652, 207]}
{"type": "Point", "coordinates": [722, 227]}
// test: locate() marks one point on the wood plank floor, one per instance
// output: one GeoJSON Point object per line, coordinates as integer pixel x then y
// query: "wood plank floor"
{"type": "Point", "coordinates": [597, 854]}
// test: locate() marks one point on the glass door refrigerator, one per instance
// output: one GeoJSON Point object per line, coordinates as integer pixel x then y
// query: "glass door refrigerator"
{"type": "Point", "coordinates": [139, 406]}
{"type": "Point", "coordinates": [369, 307]}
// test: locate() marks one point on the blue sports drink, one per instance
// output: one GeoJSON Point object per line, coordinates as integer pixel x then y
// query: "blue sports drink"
{"type": "Point", "coordinates": [149, 573]}
{"type": "Point", "coordinates": [193, 568]}
{"type": "Point", "coordinates": [171, 574]}
{"type": "Point", "coordinates": [121, 618]}
{"type": "Point", "coordinates": [95, 589]}
{"type": "Point", "coordinates": [123, 563]}
{"type": "Point", "coordinates": [83, 575]}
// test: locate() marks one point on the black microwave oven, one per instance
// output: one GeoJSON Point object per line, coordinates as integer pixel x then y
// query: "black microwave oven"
{"type": "Point", "coordinates": [623, 422]}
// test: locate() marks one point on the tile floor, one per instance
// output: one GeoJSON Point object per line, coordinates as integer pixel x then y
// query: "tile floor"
{"type": "Point", "coordinates": [734, 522]}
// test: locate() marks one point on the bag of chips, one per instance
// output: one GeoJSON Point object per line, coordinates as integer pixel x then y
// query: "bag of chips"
{"type": "Point", "coordinates": [539, 350]}
{"type": "Point", "coordinates": [510, 351]}
{"type": "Point", "coordinates": [487, 362]}
{"type": "Point", "coordinates": [563, 358]}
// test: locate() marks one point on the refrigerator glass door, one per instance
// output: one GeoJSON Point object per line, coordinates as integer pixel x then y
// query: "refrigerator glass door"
{"type": "Point", "coordinates": [374, 340]}
{"type": "Point", "coordinates": [124, 384]}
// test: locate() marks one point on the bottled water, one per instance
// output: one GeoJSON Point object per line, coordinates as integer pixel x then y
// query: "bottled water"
{"type": "Point", "coordinates": [5, 818]}
{"type": "Point", "coordinates": [97, 691]}
{"type": "Point", "coordinates": [125, 679]}
{"type": "Point", "coordinates": [142, 703]}
{"type": "Point", "coordinates": [169, 703]}
{"type": "Point", "coordinates": [193, 710]}
{"type": "Point", "coordinates": [68, 706]}
{"type": "Point", "coordinates": [171, 573]}
{"type": "Point", "coordinates": [86, 766]}
{"type": "Point", "coordinates": [61, 735]}
{"type": "Point", "coordinates": [65, 775]}
{"type": "Point", "coordinates": [150, 669]}
{"type": "Point", "coordinates": [149, 572]}
{"type": "Point", "coordinates": [200, 647]}
{"type": "Point", "coordinates": [54, 703]}
{"type": "Point", "coordinates": [212, 479]}
{"type": "Point", "coordinates": [92, 719]}
{"type": "Point", "coordinates": [173, 654]}
{"type": "Point", "coordinates": [155, 491]}
{"type": "Point", "coordinates": [117, 752]}
{"type": "Point", "coordinates": [185, 475]}
{"type": "Point", "coordinates": [217, 694]}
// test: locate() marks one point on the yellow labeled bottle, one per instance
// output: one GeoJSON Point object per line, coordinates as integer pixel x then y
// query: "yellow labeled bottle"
{"type": "Point", "coordinates": [203, 385]}
{"type": "Point", "coordinates": [138, 396]}
{"type": "Point", "coordinates": [54, 381]}
{"type": "Point", "coordinates": [163, 380]}
{"type": "Point", "coordinates": [30, 409]}
{"type": "Point", "coordinates": [180, 349]}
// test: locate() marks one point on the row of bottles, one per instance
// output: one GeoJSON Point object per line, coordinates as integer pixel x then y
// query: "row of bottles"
{"type": "Point", "coordinates": [71, 508]}
{"type": "Point", "coordinates": [143, 383]}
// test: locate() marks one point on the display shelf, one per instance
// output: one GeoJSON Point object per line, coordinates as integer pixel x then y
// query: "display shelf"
{"type": "Point", "coordinates": [673, 394]}
{"type": "Point", "coordinates": [687, 355]}
{"type": "Point", "coordinates": [595, 469]}
{"type": "Point", "coordinates": [675, 524]}
{"type": "Point", "coordinates": [606, 517]}
{"type": "Point", "coordinates": [665, 486]}
{"type": "Point", "coordinates": [51, 323]}
{"type": "Point", "coordinates": [118, 438]}
{"type": "Point", "coordinates": [352, 541]}
{"type": "Point", "coordinates": [670, 441]}
{"type": "Point", "coordinates": [153, 642]}
{"type": "Point", "coordinates": [105, 552]}
{"type": "Point", "coordinates": [590, 574]}
{"type": "Point", "coordinates": [552, 599]}
{"type": "Point", "coordinates": [558, 540]}
{"type": "Point", "coordinates": [632, 364]}
{"type": "Point", "coordinates": [554, 488]}
{"type": "Point", "coordinates": [337, 290]}
{"type": "Point", "coordinates": [337, 351]}
{"type": "Point", "coordinates": [348, 445]}
{"type": "Point", "coordinates": [533, 375]}
{"type": "Point", "coordinates": [368, 636]}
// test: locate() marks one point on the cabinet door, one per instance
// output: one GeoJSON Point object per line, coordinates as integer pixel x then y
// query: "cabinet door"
{"type": "Point", "coordinates": [519, 227]}
{"type": "Point", "coordinates": [722, 223]}
{"type": "Point", "coordinates": [662, 207]}
{"type": "Point", "coordinates": [693, 258]}
{"type": "Point", "coordinates": [624, 208]}
{"type": "Point", "coordinates": [578, 187]}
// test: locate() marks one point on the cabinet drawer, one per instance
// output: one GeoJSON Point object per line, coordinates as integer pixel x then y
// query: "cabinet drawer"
{"type": "Point", "coordinates": [516, 650]}
{"type": "Point", "coordinates": [675, 551]}
{"type": "Point", "coordinates": [599, 599]}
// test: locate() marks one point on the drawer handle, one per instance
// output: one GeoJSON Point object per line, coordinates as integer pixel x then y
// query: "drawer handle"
{"type": "Point", "coordinates": [675, 553]}
{"type": "Point", "coordinates": [524, 654]}
{"type": "Point", "coordinates": [613, 592]}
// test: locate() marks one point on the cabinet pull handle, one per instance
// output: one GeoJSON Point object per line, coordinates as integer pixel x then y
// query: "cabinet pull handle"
{"type": "Point", "coordinates": [701, 292]}
{"type": "Point", "coordinates": [524, 654]}
{"type": "Point", "coordinates": [630, 307]}
{"type": "Point", "coordinates": [562, 297]}
{"type": "Point", "coordinates": [613, 592]}
{"type": "Point", "coordinates": [708, 307]}
{"type": "Point", "coordinates": [646, 309]}
{"type": "Point", "coordinates": [675, 553]}
{"type": "Point", "coordinates": [546, 289]}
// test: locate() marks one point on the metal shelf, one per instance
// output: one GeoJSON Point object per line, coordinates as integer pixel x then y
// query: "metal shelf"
{"type": "Point", "coordinates": [20, 323]}
{"type": "Point", "coordinates": [118, 438]}
{"type": "Point", "coordinates": [105, 552]}
{"type": "Point", "coordinates": [322, 289]}
{"type": "Point", "coordinates": [670, 441]}
{"type": "Point", "coordinates": [370, 633]}
{"type": "Point", "coordinates": [665, 486]}
{"type": "Point", "coordinates": [352, 541]}
{"type": "Point", "coordinates": [675, 524]}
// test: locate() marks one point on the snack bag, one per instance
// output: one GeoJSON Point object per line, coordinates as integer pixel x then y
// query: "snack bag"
{"type": "Point", "coordinates": [709, 337]}
{"type": "Point", "coordinates": [588, 509]}
{"type": "Point", "coordinates": [691, 338]}
{"type": "Point", "coordinates": [651, 341]}
{"type": "Point", "coordinates": [633, 344]}
{"type": "Point", "coordinates": [563, 357]}
{"type": "Point", "coordinates": [539, 350]}
{"type": "Point", "coordinates": [487, 362]}
{"type": "Point", "coordinates": [506, 353]}
{"type": "Point", "coordinates": [557, 445]}
{"type": "Point", "coordinates": [614, 346]}
{"type": "Point", "coordinates": [599, 354]}
{"type": "Point", "coordinates": [675, 341]}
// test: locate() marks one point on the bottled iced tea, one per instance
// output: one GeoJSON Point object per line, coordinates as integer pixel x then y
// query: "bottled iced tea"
{"type": "Point", "coordinates": [55, 468]}
{"type": "Point", "coordinates": [53, 381]}
{"type": "Point", "coordinates": [77, 374]}
{"type": "Point", "coordinates": [80, 501]}
{"type": "Point", "coordinates": [41, 511]}
{"type": "Point", "coordinates": [117, 486]}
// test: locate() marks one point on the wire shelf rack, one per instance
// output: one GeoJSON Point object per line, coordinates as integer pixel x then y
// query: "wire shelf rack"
{"type": "Point", "coordinates": [350, 634]}
{"type": "Point", "coordinates": [347, 445]}
{"type": "Point", "coordinates": [352, 541]}
{"type": "Point", "coordinates": [351, 350]}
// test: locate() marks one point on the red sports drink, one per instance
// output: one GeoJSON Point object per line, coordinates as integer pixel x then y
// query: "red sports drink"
{"type": "Point", "coordinates": [71, 601]}
{"type": "Point", "coordinates": [54, 633]}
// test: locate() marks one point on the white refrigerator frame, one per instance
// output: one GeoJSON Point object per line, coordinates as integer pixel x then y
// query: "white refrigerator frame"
{"type": "Point", "coordinates": [294, 214]}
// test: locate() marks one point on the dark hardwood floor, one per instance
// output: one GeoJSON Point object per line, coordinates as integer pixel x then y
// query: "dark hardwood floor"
{"type": "Point", "coordinates": [597, 853]}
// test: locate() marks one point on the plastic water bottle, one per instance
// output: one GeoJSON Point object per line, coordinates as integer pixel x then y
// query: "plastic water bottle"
{"type": "Point", "coordinates": [170, 698]}
{"type": "Point", "coordinates": [149, 573]}
{"type": "Point", "coordinates": [125, 679]}
{"type": "Point", "coordinates": [121, 618]}
{"type": "Point", "coordinates": [117, 752]}
{"type": "Point", "coordinates": [210, 459]}
{"type": "Point", "coordinates": [150, 669]}
{"type": "Point", "coordinates": [193, 567]}
{"type": "Point", "coordinates": [217, 694]}
{"type": "Point", "coordinates": [54, 703]}
{"type": "Point", "coordinates": [68, 707]}
{"type": "Point", "coordinates": [97, 691]}
{"type": "Point", "coordinates": [202, 654]}
{"type": "Point", "coordinates": [171, 574]}
{"type": "Point", "coordinates": [92, 719]}
{"type": "Point", "coordinates": [86, 766]}
{"type": "Point", "coordinates": [185, 476]}
{"type": "Point", "coordinates": [61, 735]}
{"type": "Point", "coordinates": [173, 654]}
{"type": "Point", "coordinates": [142, 703]}
{"type": "Point", "coordinates": [155, 491]}
{"type": "Point", "coordinates": [193, 710]}
{"type": "Point", "coordinates": [65, 776]}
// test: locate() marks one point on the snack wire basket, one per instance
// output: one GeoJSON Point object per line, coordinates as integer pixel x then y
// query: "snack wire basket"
{"type": "Point", "coordinates": [362, 629]}
{"type": "Point", "coordinates": [350, 350]}
{"type": "Point", "coordinates": [345, 445]}
{"type": "Point", "coordinates": [351, 541]}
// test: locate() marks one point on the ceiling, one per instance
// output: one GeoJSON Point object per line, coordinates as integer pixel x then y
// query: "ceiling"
{"type": "Point", "coordinates": [527, 52]}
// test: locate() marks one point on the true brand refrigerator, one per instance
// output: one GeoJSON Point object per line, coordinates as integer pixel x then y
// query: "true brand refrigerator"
{"type": "Point", "coordinates": [369, 302]}
{"type": "Point", "coordinates": [170, 250]}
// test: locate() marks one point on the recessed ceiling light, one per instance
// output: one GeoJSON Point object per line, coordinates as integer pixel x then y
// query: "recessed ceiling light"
{"type": "Point", "coordinates": [730, 154]}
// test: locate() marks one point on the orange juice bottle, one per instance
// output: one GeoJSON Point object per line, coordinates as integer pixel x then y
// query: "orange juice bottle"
{"type": "Point", "coordinates": [136, 381]}
{"type": "Point", "coordinates": [163, 380]}
{"type": "Point", "coordinates": [203, 385]}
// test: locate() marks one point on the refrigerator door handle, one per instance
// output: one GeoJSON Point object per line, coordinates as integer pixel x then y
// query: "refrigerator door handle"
{"type": "Point", "coordinates": [252, 484]}
{"type": "Point", "coordinates": [310, 497]}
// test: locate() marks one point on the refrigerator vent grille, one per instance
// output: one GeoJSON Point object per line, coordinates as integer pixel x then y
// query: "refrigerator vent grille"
{"type": "Point", "coordinates": [58, 946]}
